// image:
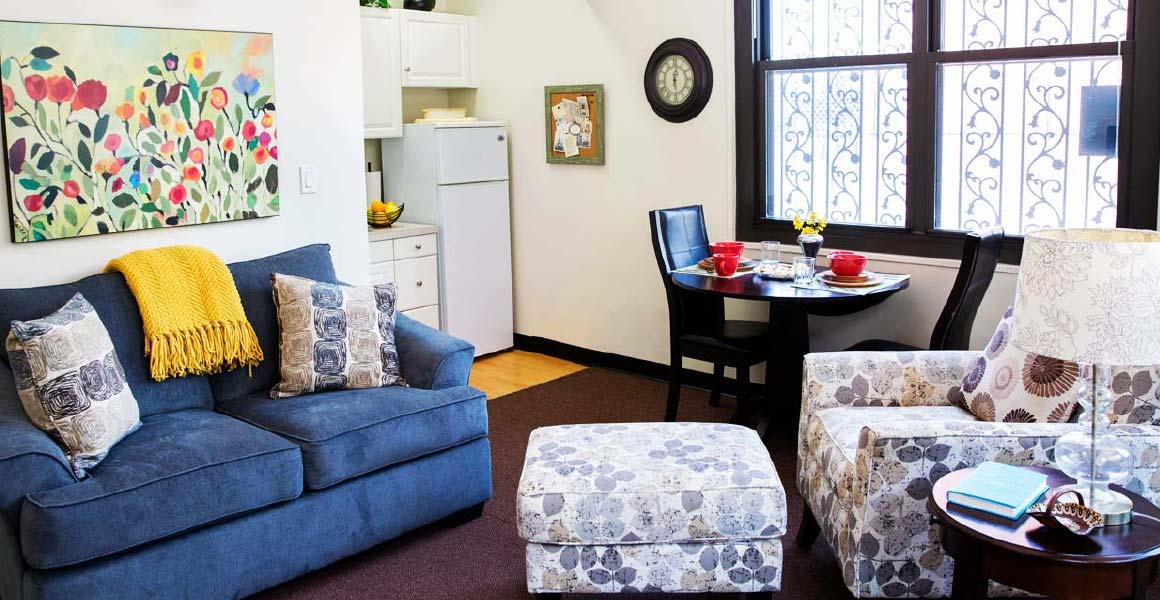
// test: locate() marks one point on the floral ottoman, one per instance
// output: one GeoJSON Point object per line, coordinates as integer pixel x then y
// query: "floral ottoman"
{"type": "Point", "coordinates": [650, 507]}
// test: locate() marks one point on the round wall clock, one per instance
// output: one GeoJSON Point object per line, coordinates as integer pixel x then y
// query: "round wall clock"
{"type": "Point", "coordinates": [678, 80]}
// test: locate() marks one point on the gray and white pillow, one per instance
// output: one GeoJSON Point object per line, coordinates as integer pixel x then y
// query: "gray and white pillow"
{"type": "Point", "coordinates": [334, 337]}
{"type": "Point", "coordinates": [71, 383]}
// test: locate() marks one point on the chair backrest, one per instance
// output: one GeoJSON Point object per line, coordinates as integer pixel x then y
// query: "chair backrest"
{"type": "Point", "coordinates": [980, 256]}
{"type": "Point", "coordinates": [679, 239]}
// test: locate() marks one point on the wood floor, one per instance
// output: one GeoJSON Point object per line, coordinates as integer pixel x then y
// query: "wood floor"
{"type": "Point", "coordinates": [506, 372]}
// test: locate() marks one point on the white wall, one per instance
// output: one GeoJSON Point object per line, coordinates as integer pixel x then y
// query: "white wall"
{"type": "Point", "coordinates": [318, 79]}
{"type": "Point", "coordinates": [584, 268]}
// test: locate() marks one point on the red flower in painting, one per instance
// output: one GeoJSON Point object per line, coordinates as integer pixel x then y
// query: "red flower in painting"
{"type": "Point", "coordinates": [274, 153]}
{"type": "Point", "coordinates": [228, 144]}
{"type": "Point", "coordinates": [70, 189]}
{"type": "Point", "coordinates": [36, 87]}
{"type": "Point", "coordinates": [60, 89]}
{"type": "Point", "coordinates": [34, 202]}
{"type": "Point", "coordinates": [91, 94]}
{"type": "Point", "coordinates": [177, 195]}
{"type": "Point", "coordinates": [117, 185]}
{"type": "Point", "coordinates": [9, 98]}
{"type": "Point", "coordinates": [112, 142]}
{"type": "Point", "coordinates": [197, 156]}
{"type": "Point", "coordinates": [219, 98]}
{"type": "Point", "coordinates": [191, 173]}
{"type": "Point", "coordinates": [261, 154]}
{"type": "Point", "coordinates": [204, 130]}
{"type": "Point", "coordinates": [249, 130]}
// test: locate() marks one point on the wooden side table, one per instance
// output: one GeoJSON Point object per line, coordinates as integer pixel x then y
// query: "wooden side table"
{"type": "Point", "coordinates": [1111, 563]}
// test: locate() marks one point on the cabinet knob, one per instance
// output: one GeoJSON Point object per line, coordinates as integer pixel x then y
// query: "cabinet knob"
{"type": "Point", "coordinates": [419, 283]}
{"type": "Point", "coordinates": [407, 69]}
{"type": "Point", "coordinates": [418, 246]}
{"type": "Point", "coordinates": [500, 138]}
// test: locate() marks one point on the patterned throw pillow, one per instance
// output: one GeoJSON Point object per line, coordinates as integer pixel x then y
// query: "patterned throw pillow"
{"type": "Point", "coordinates": [71, 382]}
{"type": "Point", "coordinates": [1010, 385]}
{"type": "Point", "coordinates": [334, 337]}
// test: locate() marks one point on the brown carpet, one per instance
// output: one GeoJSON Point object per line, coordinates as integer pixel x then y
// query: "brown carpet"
{"type": "Point", "coordinates": [485, 558]}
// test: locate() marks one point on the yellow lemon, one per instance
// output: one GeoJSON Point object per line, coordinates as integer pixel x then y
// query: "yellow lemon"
{"type": "Point", "coordinates": [379, 207]}
{"type": "Point", "coordinates": [392, 207]}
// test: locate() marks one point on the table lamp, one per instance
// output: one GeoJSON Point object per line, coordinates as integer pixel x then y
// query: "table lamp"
{"type": "Point", "coordinates": [1092, 297]}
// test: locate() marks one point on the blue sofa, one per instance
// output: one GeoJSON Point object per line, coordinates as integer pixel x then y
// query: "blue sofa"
{"type": "Point", "coordinates": [223, 492]}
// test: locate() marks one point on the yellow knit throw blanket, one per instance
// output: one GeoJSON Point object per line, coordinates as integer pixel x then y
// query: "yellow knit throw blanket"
{"type": "Point", "coordinates": [192, 314]}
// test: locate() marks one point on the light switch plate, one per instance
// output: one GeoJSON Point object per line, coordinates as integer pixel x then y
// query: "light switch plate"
{"type": "Point", "coordinates": [308, 176]}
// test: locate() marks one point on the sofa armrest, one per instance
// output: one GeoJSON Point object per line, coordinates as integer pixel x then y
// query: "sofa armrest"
{"type": "Point", "coordinates": [429, 358]}
{"type": "Point", "coordinates": [907, 456]}
{"type": "Point", "coordinates": [834, 379]}
{"type": "Point", "coordinates": [29, 460]}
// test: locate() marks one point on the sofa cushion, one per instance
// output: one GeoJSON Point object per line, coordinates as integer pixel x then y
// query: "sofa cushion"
{"type": "Point", "coordinates": [647, 483]}
{"type": "Point", "coordinates": [334, 337]}
{"type": "Point", "coordinates": [348, 433]}
{"type": "Point", "coordinates": [179, 471]}
{"type": "Point", "coordinates": [252, 279]}
{"type": "Point", "coordinates": [117, 307]}
{"type": "Point", "coordinates": [71, 383]}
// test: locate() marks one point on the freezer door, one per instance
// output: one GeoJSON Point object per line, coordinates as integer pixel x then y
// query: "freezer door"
{"type": "Point", "coordinates": [471, 154]}
{"type": "Point", "coordinates": [477, 265]}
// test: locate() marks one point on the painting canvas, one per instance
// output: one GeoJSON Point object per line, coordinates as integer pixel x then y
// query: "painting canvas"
{"type": "Point", "coordinates": [111, 129]}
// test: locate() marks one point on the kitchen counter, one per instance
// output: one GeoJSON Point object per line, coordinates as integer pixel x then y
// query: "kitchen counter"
{"type": "Point", "coordinates": [400, 230]}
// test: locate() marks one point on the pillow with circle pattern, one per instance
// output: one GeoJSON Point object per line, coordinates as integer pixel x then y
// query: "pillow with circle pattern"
{"type": "Point", "coordinates": [1010, 385]}
{"type": "Point", "coordinates": [71, 383]}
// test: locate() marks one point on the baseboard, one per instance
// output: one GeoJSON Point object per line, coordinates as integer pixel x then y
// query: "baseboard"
{"type": "Point", "coordinates": [619, 362]}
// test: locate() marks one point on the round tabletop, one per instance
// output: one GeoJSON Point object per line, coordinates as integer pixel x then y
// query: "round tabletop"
{"type": "Point", "coordinates": [1137, 541]}
{"type": "Point", "coordinates": [752, 287]}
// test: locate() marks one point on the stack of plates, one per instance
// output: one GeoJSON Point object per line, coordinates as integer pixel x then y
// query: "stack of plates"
{"type": "Point", "coordinates": [745, 264]}
{"type": "Point", "coordinates": [866, 279]}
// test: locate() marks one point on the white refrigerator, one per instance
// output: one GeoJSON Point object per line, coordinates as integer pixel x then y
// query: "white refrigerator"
{"type": "Point", "coordinates": [455, 176]}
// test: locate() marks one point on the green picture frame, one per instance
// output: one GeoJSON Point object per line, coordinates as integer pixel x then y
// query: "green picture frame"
{"type": "Point", "coordinates": [574, 124]}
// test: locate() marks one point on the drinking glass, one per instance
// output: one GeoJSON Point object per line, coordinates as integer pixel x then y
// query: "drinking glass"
{"type": "Point", "coordinates": [803, 270]}
{"type": "Point", "coordinates": [770, 253]}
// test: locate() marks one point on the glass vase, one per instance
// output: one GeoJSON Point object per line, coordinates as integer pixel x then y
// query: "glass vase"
{"type": "Point", "coordinates": [811, 244]}
{"type": "Point", "coordinates": [1093, 456]}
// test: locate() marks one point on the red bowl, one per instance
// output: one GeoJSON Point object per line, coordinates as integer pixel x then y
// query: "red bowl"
{"type": "Point", "coordinates": [725, 264]}
{"type": "Point", "coordinates": [847, 264]}
{"type": "Point", "coordinates": [734, 248]}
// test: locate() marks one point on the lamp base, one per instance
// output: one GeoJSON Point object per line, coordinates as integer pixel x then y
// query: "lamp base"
{"type": "Point", "coordinates": [1117, 511]}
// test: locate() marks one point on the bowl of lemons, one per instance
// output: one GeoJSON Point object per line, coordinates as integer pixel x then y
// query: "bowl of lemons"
{"type": "Point", "coordinates": [384, 214]}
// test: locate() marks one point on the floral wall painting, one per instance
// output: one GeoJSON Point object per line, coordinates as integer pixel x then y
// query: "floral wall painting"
{"type": "Point", "coordinates": [111, 129]}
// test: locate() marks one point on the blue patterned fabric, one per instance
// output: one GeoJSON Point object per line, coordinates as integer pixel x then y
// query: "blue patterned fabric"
{"type": "Point", "coordinates": [29, 460]}
{"type": "Point", "coordinates": [179, 471]}
{"type": "Point", "coordinates": [349, 433]}
{"type": "Point", "coordinates": [248, 554]}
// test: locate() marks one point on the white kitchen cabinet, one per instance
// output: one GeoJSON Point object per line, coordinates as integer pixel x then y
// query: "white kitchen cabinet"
{"type": "Point", "coordinates": [382, 74]}
{"type": "Point", "coordinates": [407, 254]}
{"type": "Point", "coordinates": [438, 50]}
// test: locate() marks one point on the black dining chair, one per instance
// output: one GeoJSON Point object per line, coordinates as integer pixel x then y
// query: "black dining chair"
{"type": "Point", "coordinates": [697, 325]}
{"type": "Point", "coordinates": [952, 331]}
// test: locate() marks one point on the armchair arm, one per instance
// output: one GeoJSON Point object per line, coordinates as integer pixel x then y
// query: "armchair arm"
{"type": "Point", "coordinates": [429, 358]}
{"type": "Point", "coordinates": [29, 460]}
{"type": "Point", "coordinates": [833, 379]}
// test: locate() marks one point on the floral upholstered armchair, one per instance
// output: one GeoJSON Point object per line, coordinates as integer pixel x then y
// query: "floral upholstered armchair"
{"type": "Point", "coordinates": [879, 428]}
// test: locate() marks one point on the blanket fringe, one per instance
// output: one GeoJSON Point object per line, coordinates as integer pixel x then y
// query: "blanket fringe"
{"type": "Point", "coordinates": [203, 350]}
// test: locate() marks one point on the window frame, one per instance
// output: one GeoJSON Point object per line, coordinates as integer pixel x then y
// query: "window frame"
{"type": "Point", "coordinates": [1138, 145]}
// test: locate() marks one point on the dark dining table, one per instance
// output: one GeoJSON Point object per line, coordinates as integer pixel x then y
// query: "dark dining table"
{"type": "Point", "coordinates": [789, 311]}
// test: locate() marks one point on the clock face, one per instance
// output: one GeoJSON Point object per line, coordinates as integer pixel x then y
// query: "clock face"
{"type": "Point", "coordinates": [675, 79]}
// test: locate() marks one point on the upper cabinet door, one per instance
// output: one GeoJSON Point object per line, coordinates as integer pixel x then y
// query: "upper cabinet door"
{"type": "Point", "coordinates": [382, 74]}
{"type": "Point", "coordinates": [438, 50]}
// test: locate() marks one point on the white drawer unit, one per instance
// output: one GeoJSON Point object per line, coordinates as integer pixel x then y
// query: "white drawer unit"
{"type": "Point", "coordinates": [418, 281]}
{"type": "Point", "coordinates": [407, 255]}
{"type": "Point", "coordinates": [414, 247]}
{"type": "Point", "coordinates": [428, 315]}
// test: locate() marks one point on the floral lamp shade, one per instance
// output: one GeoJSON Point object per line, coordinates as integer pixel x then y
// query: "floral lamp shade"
{"type": "Point", "coordinates": [1090, 296]}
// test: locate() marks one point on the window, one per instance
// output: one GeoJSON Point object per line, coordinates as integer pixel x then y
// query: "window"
{"type": "Point", "coordinates": [908, 122]}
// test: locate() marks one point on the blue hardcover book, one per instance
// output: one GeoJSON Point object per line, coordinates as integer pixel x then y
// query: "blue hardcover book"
{"type": "Point", "coordinates": [999, 489]}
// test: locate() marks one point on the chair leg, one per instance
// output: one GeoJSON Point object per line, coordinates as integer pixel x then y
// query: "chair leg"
{"type": "Point", "coordinates": [674, 387]}
{"type": "Point", "coordinates": [718, 383]}
{"type": "Point", "coordinates": [808, 529]}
